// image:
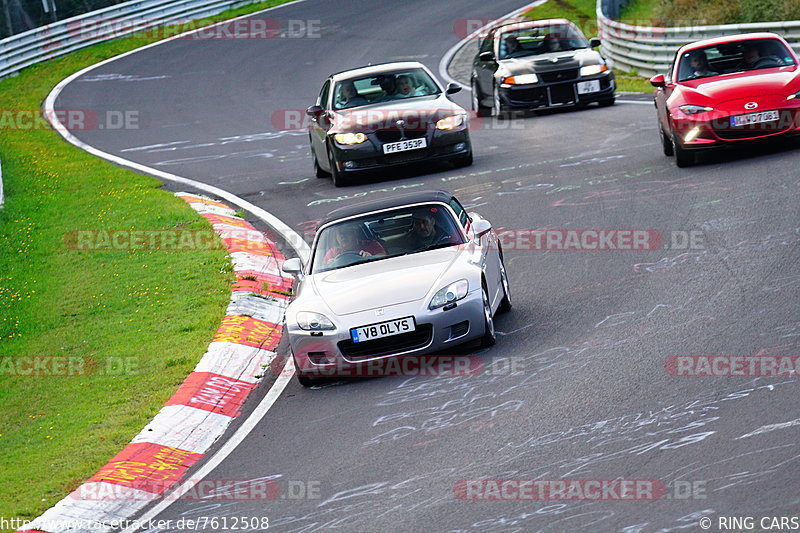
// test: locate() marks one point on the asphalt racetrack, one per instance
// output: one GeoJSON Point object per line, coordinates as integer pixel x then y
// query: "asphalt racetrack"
{"type": "Point", "coordinates": [577, 386]}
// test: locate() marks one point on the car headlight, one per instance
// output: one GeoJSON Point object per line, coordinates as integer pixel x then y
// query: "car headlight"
{"type": "Point", "coordinates": [793, 96]}
{"type": "Point", "coordinates": [452, 293]}
{"type": "Point", "coordinates": [593, 70]}
{"type": "Point", "coordinates": [350, 138]}
{"type": "Point", "coordinates": [314, 321]}
{"type": "Point", "coordinates": [694, 109]}
{"type": "Point", "coordinates": [521, 79]}
{"type": "Point", "coordinates": [448, 123]}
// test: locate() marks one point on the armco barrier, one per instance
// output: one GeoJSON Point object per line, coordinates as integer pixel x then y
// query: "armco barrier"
{"type": "Point", "coordinates": [40, 44]}
{"type": "Point", "coordinates": [650, 50]}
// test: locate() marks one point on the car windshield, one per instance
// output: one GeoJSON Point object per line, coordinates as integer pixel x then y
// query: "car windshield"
{"type": "Point", "coordinates": [729, 58]}
{"type": "Point", "coordinates": [401, 231]}
{"type": "Point", "coordinates": [383, 87]}
{"type": "Point", "coordinates": [521, 42]}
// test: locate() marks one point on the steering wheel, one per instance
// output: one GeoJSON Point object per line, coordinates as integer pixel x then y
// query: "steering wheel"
{"type": "Point", "coordinates": [765, 62]}
{"type": "Point", "coordinates": [337, 260]}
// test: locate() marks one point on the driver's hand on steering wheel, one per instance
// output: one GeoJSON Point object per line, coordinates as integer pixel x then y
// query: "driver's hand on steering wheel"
{"type": "Point", "coordinates": [364, 253]}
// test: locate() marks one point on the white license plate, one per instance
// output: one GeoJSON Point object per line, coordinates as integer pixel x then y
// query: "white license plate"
{"type": "Point", "coordinates": [754, 118]}
{"type": "Point", "coordinates": [591, 86]}
{"type": "Point", "coordinates": [383, 329]}
{"type": "Point", "coordinates": [402, 146]}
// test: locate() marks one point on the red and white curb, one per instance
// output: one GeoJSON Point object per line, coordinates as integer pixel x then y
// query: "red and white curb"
{"type": "Point", "coordinates": [208, 400]}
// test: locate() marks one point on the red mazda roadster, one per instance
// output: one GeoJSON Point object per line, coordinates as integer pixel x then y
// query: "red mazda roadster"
{"type": "Point", "coordinates": [727, 90]}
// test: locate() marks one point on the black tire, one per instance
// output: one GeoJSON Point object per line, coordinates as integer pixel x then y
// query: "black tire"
{"type": "Point", "coordinates": [498, 109]}
{"type": "Point", "coordinates": [683, 158]}
{"type": "Point", "coordinates": [505, 303]}
{"type": "Point", "coordinates": [337, 177]}
{"type": "Point", "coordinates": [306, 381]}
{"type": "Point", "coordinates": [489, 336]}
{"type": "Point", "coordinates": [480, 109]}
{"type": "Point", "coordinates": [463, 160]}
{"type": "Point", "coordinates": [666, 142]}
{"type": "Point", "coordinates": [607, 102]}
{"type": "Point", "coordinates": [318, 172]}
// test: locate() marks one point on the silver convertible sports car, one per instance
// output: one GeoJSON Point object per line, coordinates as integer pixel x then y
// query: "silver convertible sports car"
{"type": "Point", "coordinates": [408, 275]}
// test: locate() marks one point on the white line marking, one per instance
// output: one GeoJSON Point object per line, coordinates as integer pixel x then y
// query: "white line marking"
{"type": "Point", "coordinates": [272, 396]}
{"type": "Point", "coordinates": [771, 427]}
{"type": "Point", "coordinates": [638, 102]}
{"type": "Point", "coordinates": [291, 237]}
{"type": "Point", "coordinates": [448, 56]}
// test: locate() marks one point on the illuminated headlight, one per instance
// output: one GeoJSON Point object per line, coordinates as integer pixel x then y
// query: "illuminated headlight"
{"type": "Point", "coordinates": [313, 321]}
{"type": "Point", "coordinates": [448, 123]}
{"type": "Point", "coordinates": [452, 293]}
{"type": "Point", "coordinates": [691, 135]}
{"type": "Point", "coordinates": [521, 79]}
{"type": "Point", "coordinates": [694, 109]}
{"type": "Point", "coordinates": [793, 96]}
{"type": "Point", "coordinates": [593, 70]}
{"type": "Point", "coordinates": [350, 138]}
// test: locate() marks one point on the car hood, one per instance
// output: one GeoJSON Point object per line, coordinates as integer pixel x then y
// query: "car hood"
{"type": "Point", "coordinates": [550, 62]}
{"type": "Point", "coordinates": [718, 89]}
{"type": "Point", "coordinates": [419, 110]}
{"type": "Point", "coordinates": [384, 282]}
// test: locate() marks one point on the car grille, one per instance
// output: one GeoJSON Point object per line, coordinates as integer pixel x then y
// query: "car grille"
{"type": "Point", "coordinates": [558, 75]}
{"type": "Point", "coordinates": [537, 95]}
{"type": "Point", "coordinates": [357, 351]}
{"type": "Point", "coordinates": [392, 135]}
{"type": "Point", "coordinates": [405, 157]}
{"type": "Point", "coordinates": [727, 132]}
{"type": "Point", "coordinates": [562, 94]}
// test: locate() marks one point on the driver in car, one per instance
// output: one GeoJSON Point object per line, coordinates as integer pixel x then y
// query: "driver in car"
{"type": "Point", "coordinates": [425, 232]}
{"type": "Point", "coordinates": [348, 242]}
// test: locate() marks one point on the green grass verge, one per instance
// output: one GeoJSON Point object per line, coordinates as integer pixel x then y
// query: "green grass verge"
{"type": "Point", "coordinates": [153, 311]}
{"type": "Point", "coordinates": [583, 13]}
{"type": "Point", "coordinates": [700, 12]}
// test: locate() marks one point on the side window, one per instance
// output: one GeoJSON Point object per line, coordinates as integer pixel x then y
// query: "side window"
{"type": "Point", "coordinates": [668, 75]}
{"type": "Point", "coordinates": [322, 101]}
{"type": "Point", "coordinates": [461, 213]}
{"type": "Point", "coordinates": [486, 44]}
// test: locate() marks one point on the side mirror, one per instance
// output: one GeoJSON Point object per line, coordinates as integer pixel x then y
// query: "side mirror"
{"type": "Point", "coordinates": [293, 266]}
{"type": "Point", "coordinates": [314, 111]}
{"type": "Point", "coordinates": [486, 56]}
{"type": "Point", "coordinates": [453, 88]}
{"type": "Point", "coordinates": [594, 42]}
{"type": "Point", "coordinates": [481, 227]}
{"type": "Point", "coordinates": [658, 81]}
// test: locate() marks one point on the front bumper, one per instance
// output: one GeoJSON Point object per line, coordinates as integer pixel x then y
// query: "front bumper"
{"type": "Point", "coordinates": [441, 145]}
{"type": "Point", "coordinates": [713, 129]}
{"type": "Point", "coordinates": [333, 354]}
{"type": "Point", "coordinates": [557, 94]}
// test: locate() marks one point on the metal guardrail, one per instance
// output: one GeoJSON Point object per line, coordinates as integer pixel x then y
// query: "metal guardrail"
{"type": "Point", "coordinates": [47, 42]}
{"type": "Point", "coordinates": [650, 50]}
